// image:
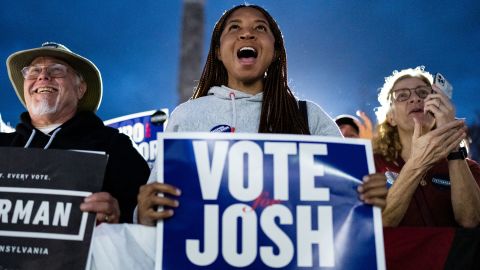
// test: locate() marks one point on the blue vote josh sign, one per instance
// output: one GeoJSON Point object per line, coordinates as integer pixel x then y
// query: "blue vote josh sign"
{"type": "Point", "coordinates": [263, 201]}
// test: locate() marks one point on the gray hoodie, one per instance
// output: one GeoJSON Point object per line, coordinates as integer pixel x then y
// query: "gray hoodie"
{"type": "Point", "coordinates": [225, 109]}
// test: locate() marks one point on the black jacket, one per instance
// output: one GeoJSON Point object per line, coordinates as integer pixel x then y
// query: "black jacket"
{"type": "Point", "coordinates": [126, 169]}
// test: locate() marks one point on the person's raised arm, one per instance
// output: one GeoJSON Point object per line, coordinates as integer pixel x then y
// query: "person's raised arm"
{"type": "Point", "coordinates": [365, 128]}
{"type": "Point", "coordinates": [465, 193]}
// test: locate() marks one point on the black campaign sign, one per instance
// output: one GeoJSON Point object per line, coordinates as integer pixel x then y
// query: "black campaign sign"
{"type": "Point", "coordinates": [41, 225]}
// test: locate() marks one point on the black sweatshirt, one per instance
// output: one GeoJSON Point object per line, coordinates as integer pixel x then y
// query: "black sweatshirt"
{"type": "Point", "coordinates": [126, 169]}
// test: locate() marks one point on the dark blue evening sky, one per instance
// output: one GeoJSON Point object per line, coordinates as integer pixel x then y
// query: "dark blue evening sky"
{"type": "Point", "coordinates": [338, 51]}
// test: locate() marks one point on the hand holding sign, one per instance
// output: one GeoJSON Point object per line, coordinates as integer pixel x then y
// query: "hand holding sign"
{"type": "Point", "coordinates": [374, 190]}
{"type": "Point", "coordinates": [148, 201]}
{"type": "Point", "coordinates": [104, 204]}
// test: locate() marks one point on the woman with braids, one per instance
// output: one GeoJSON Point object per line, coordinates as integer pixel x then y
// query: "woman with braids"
{"type": "Point", "coordinates": [417, 147]}
{"type": "Point", "coordinates": [244, 88]}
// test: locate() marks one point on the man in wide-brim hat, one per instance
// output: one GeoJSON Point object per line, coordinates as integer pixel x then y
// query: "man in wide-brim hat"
{"type": "Point", "coordinates": [61, 91]}
{"type": "Point", "coordinates": [22, 62]}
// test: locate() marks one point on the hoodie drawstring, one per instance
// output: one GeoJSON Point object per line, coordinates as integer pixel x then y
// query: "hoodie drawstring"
{"type": "Point", "coordinates": [30, 139]}
{"type": "Point", "coordinates": [234, 109]}
{"type": "Point", "coordinates": [51, 138]}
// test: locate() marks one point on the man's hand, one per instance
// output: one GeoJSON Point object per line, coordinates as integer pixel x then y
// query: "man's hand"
{"type": "Point", "coordinates": [104, 204]}
{"type": "Point", "coordinates": [365, 128]}
{"type": "Point", "coordinates": [148, 201]}
{"type": "Point", "coordinates": [374, 190]}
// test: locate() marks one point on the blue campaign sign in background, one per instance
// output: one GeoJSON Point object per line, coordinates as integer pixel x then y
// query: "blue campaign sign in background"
{"type": "Point", "coordinates": [257, 201]}
{"type": "Point", "coordinates": [142, 128]}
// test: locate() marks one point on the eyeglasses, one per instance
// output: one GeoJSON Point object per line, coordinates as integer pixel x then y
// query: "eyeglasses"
{"type": "Point", "coordinates": [404, 94]}
{"type": "Point", "coordinates": [54, 71]}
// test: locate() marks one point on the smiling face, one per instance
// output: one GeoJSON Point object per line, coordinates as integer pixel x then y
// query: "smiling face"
{"type": "Point", "coordinates": [403, 112]}
{"type": "Point", "coordinates": [246, 49]}
{"type": "Point", "coordinates": [52, 100]}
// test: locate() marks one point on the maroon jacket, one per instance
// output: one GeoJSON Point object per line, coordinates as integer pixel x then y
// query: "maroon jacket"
{"type": "Point", "coordinates": [431, 203]}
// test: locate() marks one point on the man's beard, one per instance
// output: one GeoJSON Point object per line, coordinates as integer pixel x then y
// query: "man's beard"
{"type": "Point", "coordinates": [43, 108]}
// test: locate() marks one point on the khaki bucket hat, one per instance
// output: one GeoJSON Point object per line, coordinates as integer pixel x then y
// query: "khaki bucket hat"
{"type": "Point", "coordinates": [91, 75]}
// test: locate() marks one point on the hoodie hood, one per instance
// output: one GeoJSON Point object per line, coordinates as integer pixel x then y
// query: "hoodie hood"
{"type": "Point", "coordinates": [223, 92]}
{"type": "Point", "coordinates": [225, 109]}
{"type": "Point", "coordinates": [70, 133]}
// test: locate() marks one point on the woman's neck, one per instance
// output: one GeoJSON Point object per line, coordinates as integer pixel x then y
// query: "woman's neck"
{"type": "Point", "coordinates": [249, 88]}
